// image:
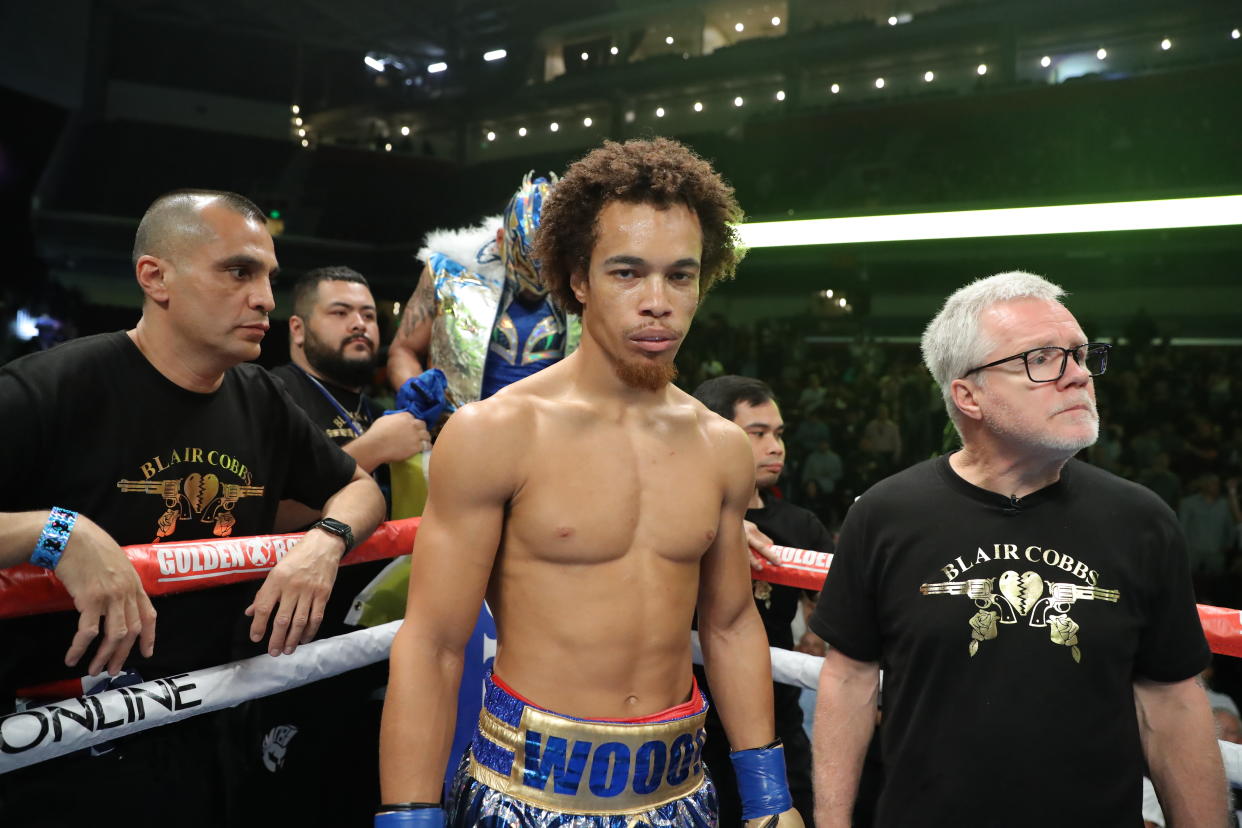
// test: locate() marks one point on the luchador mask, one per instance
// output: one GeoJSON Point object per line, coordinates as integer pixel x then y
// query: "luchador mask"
{"type": "Point", "coordinates": [521, 218]}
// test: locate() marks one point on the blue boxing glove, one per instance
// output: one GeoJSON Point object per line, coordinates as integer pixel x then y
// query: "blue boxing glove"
{"type": "Point", "coordinates": [418, 814]}
{"type": "Point", "coordinates": [762, 786]}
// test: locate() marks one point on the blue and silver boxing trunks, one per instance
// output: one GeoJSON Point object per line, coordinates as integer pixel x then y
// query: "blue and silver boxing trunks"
{"type": "Point", "coordinates": [531, 768]}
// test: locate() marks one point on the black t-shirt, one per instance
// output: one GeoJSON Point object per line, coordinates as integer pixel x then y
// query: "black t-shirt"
{"type": "Point", "coordinates": [95, 428]}
{"type": "Point", "coordinates": [358, 407]}
{"type": "Point", "coordinates": [787, 525]}
{"type": "Point", "coordinates": [1010, 634]}
{"type": "Point", "coordinates": [352, 579]}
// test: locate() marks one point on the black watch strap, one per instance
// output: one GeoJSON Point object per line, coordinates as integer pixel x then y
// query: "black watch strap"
{"type": "Point", "coordinates": [338, 528]}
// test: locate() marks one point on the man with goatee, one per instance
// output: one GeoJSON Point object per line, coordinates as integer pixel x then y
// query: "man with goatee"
{"type": "Point", "coordinates": [596, 506]}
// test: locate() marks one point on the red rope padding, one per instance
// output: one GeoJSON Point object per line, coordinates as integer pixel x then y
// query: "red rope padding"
{"type": "Point", "coordinates": [181, 566]}
{"type": "Point", "coordinates": [167, 568]}
{"type": "Point", "coordinates": [806, 569]}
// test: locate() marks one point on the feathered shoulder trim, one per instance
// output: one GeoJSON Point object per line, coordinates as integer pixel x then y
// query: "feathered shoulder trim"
{"type": "Point", "coordinates": [463, 244]}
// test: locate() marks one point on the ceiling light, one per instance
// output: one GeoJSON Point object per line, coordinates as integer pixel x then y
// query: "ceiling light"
{"type": "Point", "coordinates": [669, 40]}
{"type": "Point", "coordinates": [495, 54]}
{"type": "Point", "coordinates": [491, 136]}
{"type": "Point", "coordinates": [780, 94]}
{"type": "Point", "coordinates": [892, 21]}
{"type": "Point", "coordinates": [373, 64]}
{"type": "Point", "coordinates": [879, 83]}
{"type": "Point", "coordinates": [305, 143]}
{"type": "Point", "coordinates": [1045, 61]}
{"type": "Point", "coordinates": [614, 50]}
{"type": "Point", "coordinates": [1101, 53]}
{"type": "Point", "coordinates": [1235, 34]}
{"type": "Point", "coordinates": [929, 76]}
{"type": "Point", "coordinates": [1163, 214]}
{"type": "Point", "coordinates": [776, 21]}
{"type": "Point", "coordinates": [981, 69]}
{"type": "Point", "coordinates": [437, 67]}
{"type": "Point", "coordinates": [554, 126]}
{"type": "Point", "coordinates": [521, 132]}
{"type": "Point", "coordinates": [297, 121]}
{"type": "Point", "coordinates": [405, 130]}
{"type": "Point", "coordinates": [586, 122]}
{"type": "Point", "coordinates": [295, 109]}
{"type": "Point", "coordinates": [1166, 44]}
{"type": "Point", "coordinates": [584, 56]}
{"type": "Point", "coordinates": [302, 133]}
{"type": "Point", "coordinates": [835, 88]}
{"type": "Point", "coordinates": [659, 112]}
{"type": "Point", "coordinates": [739, 27]}
{"type": "Point", "coordinates": [387, 147]}
{"type": "Point", "coordinates": [698, 106]}
{"type": "Point", "coordinates": [738, 101]}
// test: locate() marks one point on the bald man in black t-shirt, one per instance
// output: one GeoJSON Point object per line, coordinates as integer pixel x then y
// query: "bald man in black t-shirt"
{"type": "Point", "coordinates": [162, 433]}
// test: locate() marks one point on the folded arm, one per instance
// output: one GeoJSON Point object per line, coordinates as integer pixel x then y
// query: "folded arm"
{"type": "Point", "coordinates": [100, 579]}
{"type": "Point", "coordinates": [295, 593]}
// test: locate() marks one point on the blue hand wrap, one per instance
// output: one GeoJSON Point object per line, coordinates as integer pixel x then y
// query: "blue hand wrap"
{"type": "Point", "coordinates": [51, 544]}
{"type": "Point", "coordinates": [420, 817]}
{"type": "Point", "coordinates": [761, 781]}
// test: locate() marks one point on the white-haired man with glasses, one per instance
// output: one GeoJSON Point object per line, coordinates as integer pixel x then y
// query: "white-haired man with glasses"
{"type": "Point", "coordinates": [1033, 614]}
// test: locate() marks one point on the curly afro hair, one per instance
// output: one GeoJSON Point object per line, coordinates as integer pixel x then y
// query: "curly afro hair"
{"type": "Point", "coordinates": [658, 171]}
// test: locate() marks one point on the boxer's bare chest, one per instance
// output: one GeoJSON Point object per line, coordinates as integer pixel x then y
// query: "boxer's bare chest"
{"type": "Point", "coordinates": [598, 491]}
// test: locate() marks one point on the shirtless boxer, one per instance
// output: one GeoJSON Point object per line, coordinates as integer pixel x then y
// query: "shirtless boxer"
{"type": "Point", "coordinates": [596, 506]}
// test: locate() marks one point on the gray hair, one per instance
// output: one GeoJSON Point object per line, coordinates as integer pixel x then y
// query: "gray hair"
{"type": "Point", "coordinates": [953, 342]}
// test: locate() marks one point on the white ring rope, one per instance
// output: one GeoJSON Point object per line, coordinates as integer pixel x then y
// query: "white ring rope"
{"type": "Point", "coordinates": [41, 733]}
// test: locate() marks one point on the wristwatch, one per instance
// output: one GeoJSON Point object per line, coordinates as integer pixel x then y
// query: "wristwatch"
{"type": "Point", "coordinates": [336, 527]}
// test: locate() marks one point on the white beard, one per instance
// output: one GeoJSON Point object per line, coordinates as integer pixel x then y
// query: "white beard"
{"type": "Point", "coordinates": [1000, 421]}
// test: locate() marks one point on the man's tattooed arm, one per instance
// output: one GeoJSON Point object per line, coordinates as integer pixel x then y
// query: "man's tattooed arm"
{"type": "Point", "coordinates": [407, 355]}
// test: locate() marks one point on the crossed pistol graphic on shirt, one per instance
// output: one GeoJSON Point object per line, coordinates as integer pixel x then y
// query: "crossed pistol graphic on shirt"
{"type": "Point", "coordinates": [1022, 595]}
{"type": "Point", "coordinates": [196, 494]}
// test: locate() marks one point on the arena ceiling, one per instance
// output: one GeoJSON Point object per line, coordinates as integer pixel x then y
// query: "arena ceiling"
{"type": "Point", "coordinates": [413, 27]}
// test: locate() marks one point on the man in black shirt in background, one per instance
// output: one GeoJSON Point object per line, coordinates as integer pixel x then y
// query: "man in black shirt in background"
{"type": "Point", "coordinates": [769, 520]}
{"type": "Point", "coordinates": [333, 350]}
{"type": "Point", "coordinates": [334, 344]}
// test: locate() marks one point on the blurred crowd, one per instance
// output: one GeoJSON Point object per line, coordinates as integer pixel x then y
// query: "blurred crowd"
{"type": "Point", "coordinates": [858, 411]}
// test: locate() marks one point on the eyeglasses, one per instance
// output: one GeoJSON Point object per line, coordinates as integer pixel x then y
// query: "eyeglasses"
{"type": "Point", "coordinates": [1048, 364]}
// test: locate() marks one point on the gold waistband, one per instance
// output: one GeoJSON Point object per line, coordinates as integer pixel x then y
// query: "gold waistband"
{"type": "Point", "coordinates": [586, 767]}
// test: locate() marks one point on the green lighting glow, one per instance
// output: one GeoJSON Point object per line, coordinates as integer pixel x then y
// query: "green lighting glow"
{"type": "Point", "coordinates": [1210, 211]}
{"type": "Point", "coordinates": [274, 214]}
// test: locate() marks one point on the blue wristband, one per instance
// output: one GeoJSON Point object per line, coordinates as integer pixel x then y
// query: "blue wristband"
{"type": "Point", "coordinates": [422, 817]}
{"type": "Point", "coordinates": [761, 781]}
{"type": "Point", "coordinates": [55, 538]}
